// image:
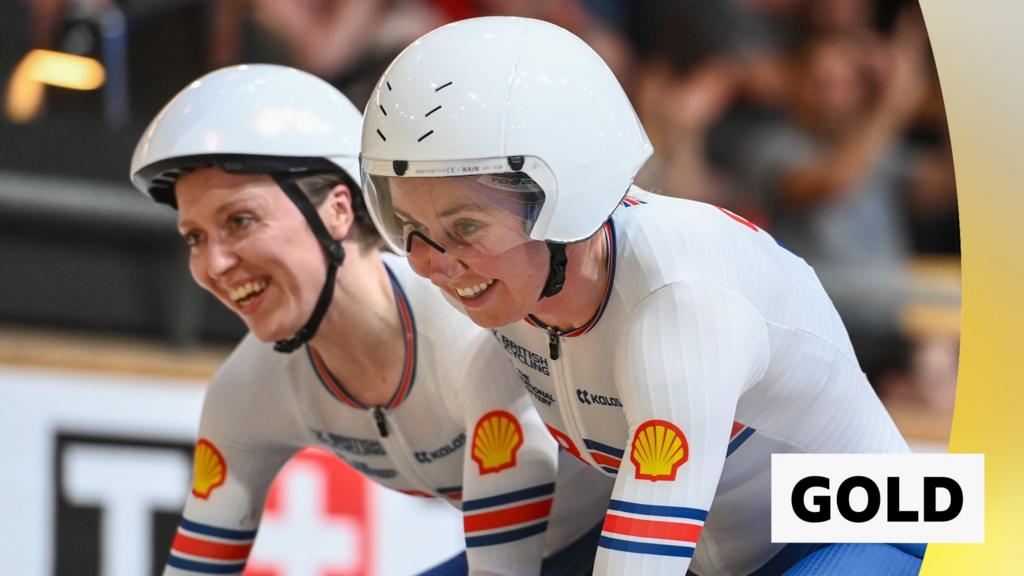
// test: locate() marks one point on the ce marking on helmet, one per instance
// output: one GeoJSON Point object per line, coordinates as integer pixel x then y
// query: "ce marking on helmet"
{"type": "Point", "coordinates": [462, 170]}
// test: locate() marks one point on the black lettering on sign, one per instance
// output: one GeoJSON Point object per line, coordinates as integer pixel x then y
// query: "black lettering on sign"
{"type": "Point", "coordinates": [92, 509]}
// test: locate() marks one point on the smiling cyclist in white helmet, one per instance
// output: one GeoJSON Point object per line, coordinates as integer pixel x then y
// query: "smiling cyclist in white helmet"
{"type": "Point", "coordinates": [369, 362]}
{"type": "Point", "coordinates": [681, 345]}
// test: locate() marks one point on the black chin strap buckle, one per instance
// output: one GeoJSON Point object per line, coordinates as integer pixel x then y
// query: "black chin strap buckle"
{"type": "Point", "coordinates": [335, 253]}
{"type": "Point", "coordinates": [292, 344]}
{"type": "Point", "coordinates": [556, 270]}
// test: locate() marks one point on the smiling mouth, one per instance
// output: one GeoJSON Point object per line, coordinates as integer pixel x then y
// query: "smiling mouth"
{"type": "Point", "coordinates": [247, 292]}
{"type": "Point", "coordinates": [474, 291]}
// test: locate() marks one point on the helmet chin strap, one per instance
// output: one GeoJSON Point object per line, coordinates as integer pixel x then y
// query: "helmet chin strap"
{"type": "Point", "coordinates": [556, 270]}
{"type": "Point", "coordinates": [333, 251]}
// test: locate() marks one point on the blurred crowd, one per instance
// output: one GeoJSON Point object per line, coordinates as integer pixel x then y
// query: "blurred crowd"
{"type": "Point", "coordinates": [819, 120]}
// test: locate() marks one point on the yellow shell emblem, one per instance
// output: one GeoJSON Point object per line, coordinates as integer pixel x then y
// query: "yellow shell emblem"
{"type": "Point", "coordinates": [659, 449]}
{"type": "Point", "coordinates": [496, 440]}
{"type": "Point", "coordinates": [208, 469]}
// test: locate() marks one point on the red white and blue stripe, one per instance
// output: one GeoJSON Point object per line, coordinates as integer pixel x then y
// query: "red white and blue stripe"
{"type": "Point", "coordinates": [418, 493]}
{"type": "Point", "coordinates": [740, 434]}
{"type": "Point", "coordinates": [607, 457]}
{"type": "Point", "coordinates": [335, 387]}
{"type": "Point", "coordinates": [451, 492]}
{"type": "Point", "coordinates": [652, 529]}
{"type": "Point", "coordinates": [507, 517]}
{"type": "Point", "coordinates": [630, 201]}
{"type": "Point", "coordinates": [609, 238]}
{"type": "Point", "coordinates": [206, 549]}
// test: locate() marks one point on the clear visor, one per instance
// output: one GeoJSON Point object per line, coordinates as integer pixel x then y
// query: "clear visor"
{"type": "Point", "coordinates": [464, 215]}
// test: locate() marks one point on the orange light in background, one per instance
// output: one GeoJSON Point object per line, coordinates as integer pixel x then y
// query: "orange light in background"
{"type": "Point", "coordinates": [24, 97]}
{"type": "Point", "coordinates": [41, 67]}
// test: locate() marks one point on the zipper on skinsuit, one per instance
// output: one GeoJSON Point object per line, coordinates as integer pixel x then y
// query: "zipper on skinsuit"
{"type": "Point", "coordinates": [398, 450]}
{"type": "Point", "coordinates": [381, 420]}
{"type": "Point", "coordinates": [562, 391]}
{"type": "Point", "coordinates": [554, 347]}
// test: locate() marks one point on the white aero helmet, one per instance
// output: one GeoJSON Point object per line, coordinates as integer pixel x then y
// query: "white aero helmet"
{"type": "Point", "coordinates": [504, 95]}
{"type": "Point", "coordinates": [258, 119]}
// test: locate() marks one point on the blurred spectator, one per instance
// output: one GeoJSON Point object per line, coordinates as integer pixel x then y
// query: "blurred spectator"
{"type": "Point", "coordinates": [766, 76]}
{"type": "Point", "coordinates": [694, 55]}
{"type": "Point", "coordinates": [346, 42]}
{"type": "Point", "coordinates": [833, 173]}
{"type": "Point", "coordinates": [677, 110]}
{"type": "Point", "coordinates": [762, 91]}
{"type": "Point", "coordinates": [854, 173]}
{"type": "Point", "coordinates": [324, 37]}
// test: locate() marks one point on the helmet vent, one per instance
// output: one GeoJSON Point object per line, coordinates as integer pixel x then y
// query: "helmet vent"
{"type": "Point", "coordinates": [389, 85]}
{"type": "Point", "coordinates": [431, 112]}
{"type": "Point", "coordinates": [420, 139]}
{"type": "Point", "coordinates": [381, 134]}
{"type": "Point", "coordinates": [442, 87]}
{"type": "Point", "coordinates": [382, 110]}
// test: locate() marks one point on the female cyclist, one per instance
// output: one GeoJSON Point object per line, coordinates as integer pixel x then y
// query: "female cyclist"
{"type": "Point", "coordinates": [681, 345]}
{"type": "Point", "coordinates": [348, 349]}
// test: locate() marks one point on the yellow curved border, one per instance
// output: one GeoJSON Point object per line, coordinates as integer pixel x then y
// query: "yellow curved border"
{"type": "Point", "coordinates": [977, 47]}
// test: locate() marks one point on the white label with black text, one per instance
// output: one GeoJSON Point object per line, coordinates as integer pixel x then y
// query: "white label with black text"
{"type": "Point", "coordinates": [896, 498]}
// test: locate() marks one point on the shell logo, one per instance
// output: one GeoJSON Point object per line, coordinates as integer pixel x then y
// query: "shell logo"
{"type": "Point", "coordinates": [659, 449]}
{"type": "Point", "coordinates": [209, 470]}
{"type": "Point", "coordinates": [496, 439]}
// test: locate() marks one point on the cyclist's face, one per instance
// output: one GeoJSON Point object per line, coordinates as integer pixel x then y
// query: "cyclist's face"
{"type": "Point", "coordinates": [251, 248]}
{"type": "Point", "coordinates": [489, 265]}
